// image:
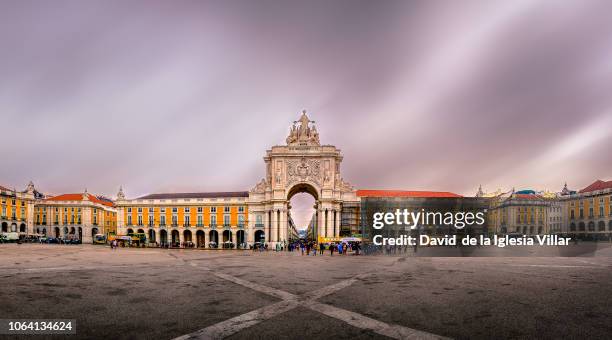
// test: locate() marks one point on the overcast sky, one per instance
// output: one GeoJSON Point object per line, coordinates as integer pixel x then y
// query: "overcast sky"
{"type": "Point", "coordinates": [188, 95]}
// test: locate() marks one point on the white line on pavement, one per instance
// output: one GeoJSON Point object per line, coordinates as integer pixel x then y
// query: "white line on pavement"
{"type": "Point", "coordinates": [364, 322]}
{"type": "Point", "coordinates": [257, 287]}
{"type": "Point", "coordinates": [236, 324]}
{"type": "Point", "coordinates": [290, 301]}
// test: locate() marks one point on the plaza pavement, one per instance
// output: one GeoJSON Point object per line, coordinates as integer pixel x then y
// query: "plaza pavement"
{"type": "Point", "coordinates": [166, 294]}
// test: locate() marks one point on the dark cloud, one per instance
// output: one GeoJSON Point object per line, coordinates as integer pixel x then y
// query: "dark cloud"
{"type": "Point", "coordinates": [419, 95]}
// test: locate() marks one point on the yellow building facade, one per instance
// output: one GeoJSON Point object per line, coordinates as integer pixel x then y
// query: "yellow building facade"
{"type": "Point", "coordinates": [80, 216]}
{"type": "Point", "coordinates": [16, 209]}
{"type": "Point", "coordinates": [588, 212]}
{"type": "Point", "coordinates": [523, 213]}
{"type": "Point", "coordinates": [202, 220]}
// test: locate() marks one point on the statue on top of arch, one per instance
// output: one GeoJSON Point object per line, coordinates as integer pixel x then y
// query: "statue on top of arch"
{"type": "Point", "coordinates": [304, 134]}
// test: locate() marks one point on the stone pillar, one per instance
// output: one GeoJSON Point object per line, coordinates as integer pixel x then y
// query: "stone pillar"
{"type": "Point", "coordinates": [284, 222]}
{"type": "Point", "coordinates": [30, 229]}
{"type": "Point", "coordinates": [321, 223]}
{"type": "Point", "coordinates": [330, 222]}
{"type": "Point", "coordinates": [337, 223]}
{"type": "Point", "coordinates": [267, 226]}
{"type": "Point", "coordinates": [273, 227]}
{"type": "Point", "coordinates": [87, 237]}
{"type": "Point", "coordinates": [181, 235]}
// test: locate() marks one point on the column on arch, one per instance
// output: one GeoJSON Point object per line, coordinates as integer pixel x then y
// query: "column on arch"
{"type": "Point", "coordinates": [273, 226]}
{"type": "Point", "coordinates": [337, 222]}
{"type": "Point", "coordinates": [266, 226]}
{"type": "Point", "coordinates": [279, 220]}
{"type": "Point", "coordinates": [321, 226]}
{"type": "Point", "coordinates": [330, 222]}
{"type": "Point", "coordinates": [323, 222]}
{"type": "Point", "coordinates": [284, 225]}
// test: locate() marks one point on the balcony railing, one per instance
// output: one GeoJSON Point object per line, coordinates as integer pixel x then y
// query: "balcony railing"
{"type": "Point", "coordinates": [199, 225]}
{"type": "Point", "coordinates": [175, 224]}
{"type": "Point", "coordinates": [186, 225]}
{"type": "Point", "coordinates": [259, 225]}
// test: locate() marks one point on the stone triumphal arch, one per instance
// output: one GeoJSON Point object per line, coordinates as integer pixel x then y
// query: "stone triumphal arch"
{"type": "Point", "coordinates": [302, 165]}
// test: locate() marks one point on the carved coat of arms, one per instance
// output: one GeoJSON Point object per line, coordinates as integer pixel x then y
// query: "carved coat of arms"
{"type": "Point", "coordinates": [303, 170]}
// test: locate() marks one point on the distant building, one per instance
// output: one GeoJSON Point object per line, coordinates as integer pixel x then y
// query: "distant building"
{"type": "Point", "coordinates": [80, 215]}
{"type": "Point", "coordinates": [525, 212]}
{"type": "Point", "coordinates": [588, 212]}
{"type": "Point", "coordinates": [16, 209]}
{"type": "Point", "coordinates": [208, 219]}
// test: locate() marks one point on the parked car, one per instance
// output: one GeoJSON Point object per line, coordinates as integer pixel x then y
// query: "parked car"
{"type": "Point", "coordinates": [10, 237]}
{"type": "Point", "coordinates": [99, 239]}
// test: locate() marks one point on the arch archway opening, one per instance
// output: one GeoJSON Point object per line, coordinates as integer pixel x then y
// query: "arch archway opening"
{"type": "Point", "coordinates": [213, 237]}
{"type": "Point", "coordinates": [200, 239]}
{"type": "Point", "coordinates": [228, 239]}
{"type": "Point", "coordinates": [187, 236]}
{"type": "Point", "coordinates": [163, 237]}
{"type": "Point", "coordinates": [175, 238]}
{"type": "Point", "coordinates": [240, 239]}
{"type": "Point", "coordinates": [303, 188]}
{"type": "Point", "coordinates": [302, 214]}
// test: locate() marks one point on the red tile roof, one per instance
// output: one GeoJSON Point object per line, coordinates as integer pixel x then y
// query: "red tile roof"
{"type": "Point", "coordinates": [79, 197]}
{"type": "Point", "coordinates": [403, 193]}
{"type": "Point", "coordinates": [597, 185]}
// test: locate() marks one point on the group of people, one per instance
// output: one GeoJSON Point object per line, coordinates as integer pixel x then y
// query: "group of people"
{"type": "Point", "coordinates": [314, 248]}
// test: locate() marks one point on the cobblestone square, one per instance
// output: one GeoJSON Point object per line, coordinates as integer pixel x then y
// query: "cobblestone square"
{"type": "Point", "coordinates": [165, 294]}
